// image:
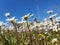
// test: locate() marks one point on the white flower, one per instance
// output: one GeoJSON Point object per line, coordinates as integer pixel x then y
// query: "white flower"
{"type": "Point", "coordinates": [54, 40]}
{"type": "Point", "coordinates": [40, 28]}
{"type": "Point", "coordinates": [50, 11]}
{"type": "Point", "coordinates": [55, 28]}
{"type": "Point", "coordinates": [6, 24]}
{"type": "Point", "coordinates": [25, 17]}
{"type": "Point", "coordinates": [45, 22]}
{"type": "Point", "coordinates": [32, 27]}
{"type": "Point", "coordinates": [53, 15]}
{"type": "Point", "coordinates": [13, 18]}
{"type": "Point", "coordinates": [57, 24]}
{"type": "Point", "coordinates": [58, 19]}
{"type": "Point", "coordinates": [50, 25]}
{"type": "Point", "coordinates": [28, 14]}
{"type": "Point", "coordinates": [7, 14]}
{"type": "Point", "coordinates": [31, 15]}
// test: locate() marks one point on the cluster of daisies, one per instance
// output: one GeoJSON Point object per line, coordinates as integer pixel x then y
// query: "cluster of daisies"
{"type": "Point", "coordinates": [39, 32]}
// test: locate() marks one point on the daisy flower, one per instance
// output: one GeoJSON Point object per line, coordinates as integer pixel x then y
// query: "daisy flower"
{"type": "Point", "coordinates": [7, 14]}
{"type": "Point", "coordinates": [50, 11]}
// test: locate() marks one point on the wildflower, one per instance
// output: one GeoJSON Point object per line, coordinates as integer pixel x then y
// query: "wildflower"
{"type": "Point", "coordinates": [12, 20]}
{"type": "Point", "coordinates": [41, 36]}
{"type": "Point", "coordinates": [57, 24]}
{"type": "Point", "coordinates": [31, 15]}
{"type": "Point", "coordinates": [32, 27]}
{"type": "Point", "coordinates": [45, 21]}
{"type": "Point", "coordinates": [27, 16]}
{"type": "Point", "coordinates": [54, 40]}
{"type": "Point", "coordinates": [40, 28]}
{"type": "Point", "coordinates": [50, 11]}
{"type": "Point", "coordinates": [58, 19]}
{"type": "Point", "coordinates": [7, 14]}
{"type": "Point", "coordinates": [55, 28]}
{"type": "Point", "coordinates": [6, 24]}
{"type": "Point", "coordinates": [50, 27]}
{"type": "Point", "coordinates": [52, 16]}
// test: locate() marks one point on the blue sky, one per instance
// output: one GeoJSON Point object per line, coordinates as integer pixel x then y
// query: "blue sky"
{"type": "Point", "coordinates": [19, 8]}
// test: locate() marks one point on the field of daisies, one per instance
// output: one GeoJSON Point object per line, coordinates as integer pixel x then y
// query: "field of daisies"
{"type": "Point", "coordinates": [46, 32]}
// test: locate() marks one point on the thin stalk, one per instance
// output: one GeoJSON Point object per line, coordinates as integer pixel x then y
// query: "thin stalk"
{"type": "Point", "coordinates": [16, 34]}
{"type": "Point", "coordinates": [29, 32]}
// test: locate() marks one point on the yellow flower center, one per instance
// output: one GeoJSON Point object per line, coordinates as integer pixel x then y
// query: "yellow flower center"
{"type": "Point", "coordinates": [12, 21]}
{"type": "Point", "coordinates": [25, 17]}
